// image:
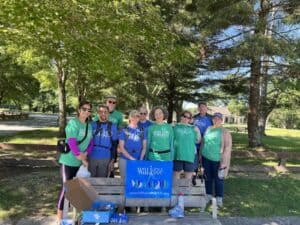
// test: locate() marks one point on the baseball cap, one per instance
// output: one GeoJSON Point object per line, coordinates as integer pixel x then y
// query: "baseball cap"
{"type": "Point", "coordinates": [218, 114]}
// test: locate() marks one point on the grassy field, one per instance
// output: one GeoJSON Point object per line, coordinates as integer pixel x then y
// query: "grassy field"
{"type": "Point", "coordinates": [39, 136]}
{"type": "Point", "coordinates": [276, 139]}
{"type": "Point", "coordinates": [35, 192]}
{"type": "Point", "coordinates": [31, 191]}
{"type": "Point", "coordinates": [270, 197]}
{"type": "Point", "coordinates": [27, 192]}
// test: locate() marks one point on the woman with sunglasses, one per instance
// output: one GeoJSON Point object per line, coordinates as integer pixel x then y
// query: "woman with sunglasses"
{"type": "Point", "coordinates": [185, 137]}
{"type": "Point", "coordinates": [77, 129]}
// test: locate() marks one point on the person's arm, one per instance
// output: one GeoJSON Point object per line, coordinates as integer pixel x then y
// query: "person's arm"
{"type": "Point", "coordinates": [198, 135]}
{"type": "Point", "coordinates": [90, 147]}
{"type": "Point", "coordinates": [144, 149]}
{"type": "Point", "coordinates": [123, 150]}
{"type": "Point", "coordinates": [226, 151]}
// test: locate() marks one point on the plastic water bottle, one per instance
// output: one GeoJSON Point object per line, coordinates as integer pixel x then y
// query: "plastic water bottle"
{"type": "Point", "coordinates": [181, 200]}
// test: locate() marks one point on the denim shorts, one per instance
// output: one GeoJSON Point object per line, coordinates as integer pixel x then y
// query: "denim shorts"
{"type": "Point", "coordinates": [179, 165]}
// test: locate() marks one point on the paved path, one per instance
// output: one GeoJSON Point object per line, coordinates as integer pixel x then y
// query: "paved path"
{"type": "Point", "coordinates": [142, 219]}
{"type": "Point", "coordinates": [166, 220]}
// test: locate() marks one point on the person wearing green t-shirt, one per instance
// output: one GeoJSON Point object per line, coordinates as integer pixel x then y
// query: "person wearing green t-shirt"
{"type": "Point", "coordinates": [160, 137]}
{"type": "Point", "coordinates": [115, 116]}
{"type": "Point", "coordinates": [185, 137]}
{"type": "Point", "coordinates": [216, 154]}
{"type": "Point", "coordinates": [77, 130]}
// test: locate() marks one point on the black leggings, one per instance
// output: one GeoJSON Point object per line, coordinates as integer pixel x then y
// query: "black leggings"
{"type": "Point", "coordinates": [67, 173]}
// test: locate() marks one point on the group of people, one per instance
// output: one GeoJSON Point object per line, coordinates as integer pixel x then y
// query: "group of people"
{"type": "Point", "coordinates": [195, 142]}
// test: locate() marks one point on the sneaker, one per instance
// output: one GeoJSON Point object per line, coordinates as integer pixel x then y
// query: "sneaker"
{"type": "Point", "coordinates": [176, 212]}
{"type": "Point", "coordinates": [219, 201]}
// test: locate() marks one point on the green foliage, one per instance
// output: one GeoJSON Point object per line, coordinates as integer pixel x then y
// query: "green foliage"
{"type": "Point", "coordinates": [237, 107]}
{"type": "Point", "coordinates": [285, 118]}
{"type": "Point", "coordinates": [15, 80]}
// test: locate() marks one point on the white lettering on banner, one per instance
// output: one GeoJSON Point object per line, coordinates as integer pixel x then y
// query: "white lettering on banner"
{"type": "Point", "coordinates": [149, 171]}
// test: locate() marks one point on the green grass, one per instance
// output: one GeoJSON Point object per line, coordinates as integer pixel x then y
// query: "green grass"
{"type": "Point", "coordinates": [27, 192]}
{"type": "Point", "coordinates": [276, 140]}
{"type": "Point", "coordinates": [270, 197]}
{"type": "Point", "coordinates": [40, 136]}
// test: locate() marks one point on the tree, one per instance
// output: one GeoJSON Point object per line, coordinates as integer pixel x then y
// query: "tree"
{"type": "Point", "coordinates": [244, 47]}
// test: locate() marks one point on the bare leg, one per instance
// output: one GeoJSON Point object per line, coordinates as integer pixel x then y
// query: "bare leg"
{"type": "Point", "coordinates": [188, 175]}
{"type": "Point", "coordinates": [176, 175]}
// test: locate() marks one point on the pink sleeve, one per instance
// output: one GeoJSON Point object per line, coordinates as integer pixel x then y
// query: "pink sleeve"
{"type": "Point", "coordinates": [90, 147]}
{"type": "Point", "coordinates": [73, 146]}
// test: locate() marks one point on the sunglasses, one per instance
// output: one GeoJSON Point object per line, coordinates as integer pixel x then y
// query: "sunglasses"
{"type": "Point", "coordinates": [112, 102]}
{"type": "Point", "coordinates": [187, 117]}
{"type": "Point", "coordinates": [86, 109]}
{"type": "Point", "coordinates": [141, 113]}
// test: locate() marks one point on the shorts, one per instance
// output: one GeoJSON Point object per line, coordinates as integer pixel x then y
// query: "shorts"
{"type": "Point", "coordinates": [179, 165]}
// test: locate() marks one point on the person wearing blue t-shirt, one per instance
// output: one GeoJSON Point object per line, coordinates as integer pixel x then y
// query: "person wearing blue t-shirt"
{"type": "Point", "coordinates": [202, 120]}
{"type": "Point", "coordinates": [132, 142]}
{"type": "Point", "coordinates": [105, 139]}
{"type": "Point", "coordinates": [143, 123]}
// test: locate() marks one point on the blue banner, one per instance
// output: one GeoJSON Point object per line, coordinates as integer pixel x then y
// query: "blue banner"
{"type": "Point", "coordinates": [148, 179]}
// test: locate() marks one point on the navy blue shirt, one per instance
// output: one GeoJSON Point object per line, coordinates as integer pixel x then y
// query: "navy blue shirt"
{"type": "Point", "coordinates": [103, 140]}
{"type": "Point", "coordinates": [144, 125]}
{"type": "Point", "coordinates": [202, 122]}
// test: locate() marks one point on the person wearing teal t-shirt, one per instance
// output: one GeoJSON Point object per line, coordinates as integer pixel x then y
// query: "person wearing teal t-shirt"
{"type": "Point", "coordinates": [115, 116]}
{"type": "Point", "coordinates": [77, 130]}
{"type": "Point", "coordinates": [185, 137]}
{"type": "Point", "coordinates": [216, 154]}
{"type": "Point", "coordinates": [160, 137]}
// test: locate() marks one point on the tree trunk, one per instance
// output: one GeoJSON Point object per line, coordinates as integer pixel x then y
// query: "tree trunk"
{"type": "Point", "coordinates": [254, 95]}
{"type": "Point", "coordinates": [170, 109]}
{"type": "Point", "coordinates": [265, 109]}
{"type": "Point", "coordinates": [263, 104]}
{"type": "Point", "coordinates": [61, 76]}
{"type": "Point", "coordinates": [253, 131]}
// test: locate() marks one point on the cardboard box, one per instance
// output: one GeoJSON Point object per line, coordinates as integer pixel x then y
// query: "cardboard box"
{"type": "Point", "coordinates": [80, 194]}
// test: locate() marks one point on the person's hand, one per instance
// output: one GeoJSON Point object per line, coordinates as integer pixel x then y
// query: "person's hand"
{"type": "Point", "coordinates": [81, 156]}
{"type": "Point", "coordinates": [222, 166]}
{"type": "Point", "coordinates": [85, 163]}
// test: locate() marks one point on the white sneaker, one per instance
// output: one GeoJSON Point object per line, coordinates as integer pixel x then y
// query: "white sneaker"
{"type": "Point", "coordinates": [219, 201]}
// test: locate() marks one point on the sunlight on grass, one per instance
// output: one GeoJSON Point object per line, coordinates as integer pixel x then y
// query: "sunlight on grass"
{"type": "Point", "coordinates": [277, 140]}
{"type": "Point", "coordinates": [248, 197]}
{"type": "Point", "coordinates": [40, 136]}
{"type": "Point", "coordinates": [28, 193]}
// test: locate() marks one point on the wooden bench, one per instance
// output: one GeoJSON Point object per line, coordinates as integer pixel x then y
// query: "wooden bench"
{"type": "Point", "coordinates": [112, 189]}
